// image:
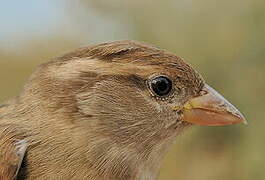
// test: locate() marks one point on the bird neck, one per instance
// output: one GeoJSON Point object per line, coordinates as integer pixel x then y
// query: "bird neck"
{"type": "Point", "coordinates": [112, 161]}
{"type": "Point", "coordinates": [96, 157]}
{"type": "Point", "coordinates": [125, 164]}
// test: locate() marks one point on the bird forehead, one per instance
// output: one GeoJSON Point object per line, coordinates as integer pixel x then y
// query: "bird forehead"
{"type": "Point", "coordinates": [132, 54]}
{"type": "Point", "coordinates": [145, 69]}
{"type": "Point", "coordinates": [126, 58]}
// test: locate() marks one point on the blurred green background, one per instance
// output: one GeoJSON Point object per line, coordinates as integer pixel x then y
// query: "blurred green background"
{"type": "Point", "coordinates": [224, 40]}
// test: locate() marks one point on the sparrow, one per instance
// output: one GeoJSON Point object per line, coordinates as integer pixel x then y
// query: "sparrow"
{"type": "Point", "coordinates": [105, 112]}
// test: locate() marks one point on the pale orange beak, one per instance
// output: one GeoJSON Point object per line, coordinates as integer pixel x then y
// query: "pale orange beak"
{"type": "Point", "coordinates": [211, 109]}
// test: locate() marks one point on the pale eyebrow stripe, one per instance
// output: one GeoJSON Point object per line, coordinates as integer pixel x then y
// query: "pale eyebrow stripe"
{"type": "Point", "coordinates": [72, 69]}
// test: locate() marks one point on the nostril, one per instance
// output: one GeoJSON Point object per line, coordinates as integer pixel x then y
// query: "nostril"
{"type": "Point", "coordinates": [180, 113]}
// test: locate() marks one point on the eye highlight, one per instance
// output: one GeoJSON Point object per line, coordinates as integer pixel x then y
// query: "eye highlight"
{"type": "Point", "coordinates": [161, 85]}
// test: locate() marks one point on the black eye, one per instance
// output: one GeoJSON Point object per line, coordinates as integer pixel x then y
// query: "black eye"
{"type": "Point", "coordinates": [161, 85]}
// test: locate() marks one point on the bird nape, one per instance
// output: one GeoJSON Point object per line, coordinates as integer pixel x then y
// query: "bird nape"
{"type": "Point", "coordinates": [105, 112]}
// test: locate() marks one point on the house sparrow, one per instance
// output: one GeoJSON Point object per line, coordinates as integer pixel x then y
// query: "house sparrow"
{"type": "Point", "coordinates": [105, 112]}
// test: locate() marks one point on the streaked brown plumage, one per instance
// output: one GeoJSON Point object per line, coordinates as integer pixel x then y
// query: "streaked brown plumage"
{"type": "Point", "coordinates": [94, 114]}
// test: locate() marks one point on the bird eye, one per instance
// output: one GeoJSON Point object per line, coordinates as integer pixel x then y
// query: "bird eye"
{"type": "Point", "coordinates": [161, 85]}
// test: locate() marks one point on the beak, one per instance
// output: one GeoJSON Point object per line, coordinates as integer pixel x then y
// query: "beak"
{"type": "Point", "coordinates": [211, 109]}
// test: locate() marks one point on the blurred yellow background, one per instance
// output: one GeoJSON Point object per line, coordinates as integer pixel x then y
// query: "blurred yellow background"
{"type": "Point", "coordinates": [223, 40]}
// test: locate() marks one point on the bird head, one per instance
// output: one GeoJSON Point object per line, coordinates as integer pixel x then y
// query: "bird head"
{"type": "Point", "coordinates": [129, 96]}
